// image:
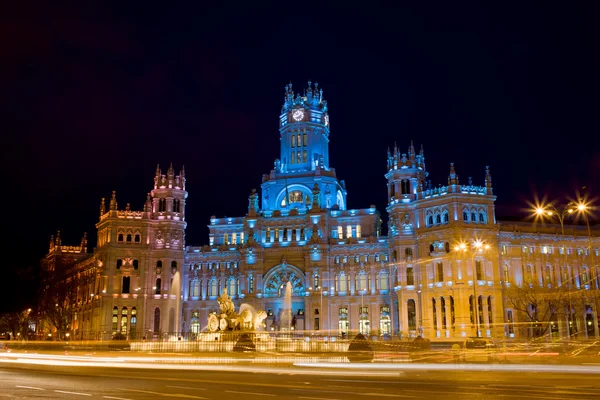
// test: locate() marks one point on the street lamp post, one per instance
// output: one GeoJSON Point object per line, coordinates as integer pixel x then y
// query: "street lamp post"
{"type": "Point", "coordinates": [478, 247]}
{"type": "Point", "coordinates": [550, 211]}
{"type": "Point", "coordinates": [584, 209]}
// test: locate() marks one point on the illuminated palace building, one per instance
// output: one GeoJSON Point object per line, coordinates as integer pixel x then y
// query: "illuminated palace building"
{"type": "Point", "coordinates": [447, 268]}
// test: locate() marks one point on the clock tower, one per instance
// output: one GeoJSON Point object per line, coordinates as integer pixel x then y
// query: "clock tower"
{"type": "Point", "coordinates": [304, 130]}
{"type": "Point", "coordinates": [303, 164]}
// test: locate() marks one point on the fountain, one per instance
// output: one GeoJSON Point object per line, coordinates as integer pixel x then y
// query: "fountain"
{"type": "Point", "coordinates": [175, 294]}
{"type": "Point", "coordinates": [286, 314]}
{"type": "Point", "coordinates": [247, 319]}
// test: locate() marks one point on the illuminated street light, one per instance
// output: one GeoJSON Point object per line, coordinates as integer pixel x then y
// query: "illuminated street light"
{"type": "Point", "coordinates": [551, 212]}
{"type": "Point", "coordinates": [478, 246]}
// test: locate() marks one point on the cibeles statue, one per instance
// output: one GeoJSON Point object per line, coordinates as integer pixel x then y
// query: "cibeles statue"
{"type": "Point", "coordinates": [229, 320]}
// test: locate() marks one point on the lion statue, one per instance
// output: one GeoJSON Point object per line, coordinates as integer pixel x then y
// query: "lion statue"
{"type": "Point", "coordinates": [258, 320]}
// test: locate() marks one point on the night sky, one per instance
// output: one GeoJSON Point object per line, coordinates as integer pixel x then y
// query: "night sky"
{"type": "Point", "coordinates": [94, 98]}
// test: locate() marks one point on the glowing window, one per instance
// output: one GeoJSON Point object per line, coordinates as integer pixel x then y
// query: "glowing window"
{"type": "Point", "coordinates": [304, 140]}
{"type": "Point", "coordinates": [293, 141]}
{"type": "Point", "coordinates": [340, 232]}
{"type": "Point", "coordinates": [234, 238]}
{"type": "Point", "coordinates": [348, 231]}
{"type": "Point", "coordinates": [358, 231]}
{"type": "Point", "coordinates": [293, 157]}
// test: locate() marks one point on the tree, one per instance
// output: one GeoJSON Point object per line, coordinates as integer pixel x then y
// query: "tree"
{"type": "Point", "coordinates": [540, 306]}
{"type": "Point", "coordinates": [16, 323]}
{"type": "Point", "coordinates": [60, 293]}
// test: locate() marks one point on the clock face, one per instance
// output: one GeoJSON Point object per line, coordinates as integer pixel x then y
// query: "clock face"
{"type": "Point", "coordinates": [326, 120]}
{"type": "Point", "coordinates": [298, 114]}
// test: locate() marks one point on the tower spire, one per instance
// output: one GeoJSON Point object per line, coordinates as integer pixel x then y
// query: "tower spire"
{"type": "Point", "coordinates": [113, 201]}
{"type": "Point", "coordinates": [452, 178]}
{"type": "Point", "coordinates": [488, 180]}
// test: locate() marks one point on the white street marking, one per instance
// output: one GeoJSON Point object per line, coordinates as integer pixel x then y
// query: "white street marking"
{"type": "Point", "coordinates": [185, 387]}
{"type": "Point", "coordinates": [252, 393]}
{"type": "Point", "coordinates": [30, 387]}
{"type": "Point", "coordinates": [316, 398]}
{"type": "Point", "coordinates": [115, 398]}
{"type": "Point", "coordinates": [187, 396]}
{"type": "Point", "coordinates": [79, 394]}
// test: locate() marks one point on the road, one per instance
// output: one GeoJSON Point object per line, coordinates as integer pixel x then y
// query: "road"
{"type": "Point", "coordinates": [221, 382]}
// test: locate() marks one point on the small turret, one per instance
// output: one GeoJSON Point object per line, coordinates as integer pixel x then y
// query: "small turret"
{"type": "Point", "coordinates": [148, 203]}
{"type": "Point", "coordinates": [113, 201]}
{"type": "Point", "coordinates": [453, 177]}
{"type": "Point", "coordinates": [316, 198]}
{"type": "Point", "coordinates": [102, 207]}
{"type": "Point", "coordinates": [253, 203]}
{"type": "Point", "coordinates": [488, 180]}
{"type": "Point", "coordinates": [58, 240]}
{"type": "Point", "coordinates": [84, 243]}
{"type": "Point", "coordinates": [51, 245]}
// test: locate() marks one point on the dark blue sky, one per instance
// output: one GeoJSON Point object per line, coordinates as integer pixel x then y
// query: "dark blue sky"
{"type": "Point", "coordinates": [94, 98]}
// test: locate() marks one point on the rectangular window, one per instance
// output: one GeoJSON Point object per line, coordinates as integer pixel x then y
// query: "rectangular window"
{"type": "Point", "coordinates": [234, 238]}
{"type": "Point", "coordinates": [304, 141]}
{"type": "Point", "coordinates": [334, 234]}
{"type": "Point", "coordinates": [479, 270]}
{"type": "Point", "coordinates": [358, 231]}
{"type": "Point", "coordinates": [293, 157]}
{"type": "Point", "coordinates": [226, 239]}
{"type": "Point", "coordinates": [317, 326]}
{"type": "Point", "coordinates": [242, 237]}
{"type": "Point", "coordinates": [269, 235]}
{"type": "Point", "coordinates": [251, 284]}
{"type": "Point", "coordinates": [504, 249]}
{"type": "Point", "coordinates": [293, 141]}
{"type": "Point", "coordinates": [276, 235]}
{"type": "Point", "coordinates": [304, 156]}
{"type": "Point", "coordinates": [440, 272]}
{"type": "Point", "coordinates": [340, 232]}
{"type": "Point", "coordinates": [348, 231]}
{"type": "Point", "coordinates": [298, 159]}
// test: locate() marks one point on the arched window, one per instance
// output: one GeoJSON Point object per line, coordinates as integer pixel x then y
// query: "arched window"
{"type": "Point", "coordinates": [232, 286]}
{"type": "Point", "coordinates": [438, 219]}
{"type": "Point", "coordinates": [465, 216]}
{"type": "Point", "coordinates": [156, 320]}
{"type": "Point", "coordinates": [434, 312]}
{"type": "Point", "coordinates": [119, 263]}
{"type": "Point", "coordinates": [412, 315]}
{"type": "Point", "coordinates": [174, 265]}
{"type": "Point", "coordinates": [120, 238]}
{"type": "Point", "coordinates": [159, 264]}
{"type": "Point", "coordinates": [473, 217]}
{"type": "Point", "coordinates": [505, 271]}
{"type": "Point", "coordinates": [452, 315]}
{"type": "Point", "coordinates": [129, 238]}
{"type": "Point", "coordinates": [133, 323]}
{"type": "Point", "coordinates": [445, 217]}
{"type": "Point", "coordinates": [115, 319]}
{"type": "Point", "coordinates": [341, 282]}
{"type": "Point", "coordinates": [251, 284]}
{"type": "Point", "coordinates": [137, 238]}
{"type": "Point", "coordinates": [124, 321]}
{"type": "Point", "coordinates": [430, 220]}
{"type": "Point", "coordinates": [157, 286]}
{"type": "Point", "coordinates": [213, 288]}
{"type": "Point", "coordinates": [405, 186]}
{"type": "Point", "coordinates": [125, 286]}
{"type": "Point", "coordinates": [293, 141]}
{"type": "Point", "coordinates": [361, 281]}
{"type": "Point", "coordinates": [195, 288]}
{"type": "Point", "coordinates": [176, 205]}
{"type": "Point", "coordinates": [136, 264]}
{"type": "Point", "coordinates": [383, 283]}
{"type": "Point", "coordinates": [410, 277]}
{"type": "Point", "coordinates": [482, 217]}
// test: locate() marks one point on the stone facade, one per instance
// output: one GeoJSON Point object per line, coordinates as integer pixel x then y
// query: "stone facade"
{"type": "Point", "coordinates": [444, 248]}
